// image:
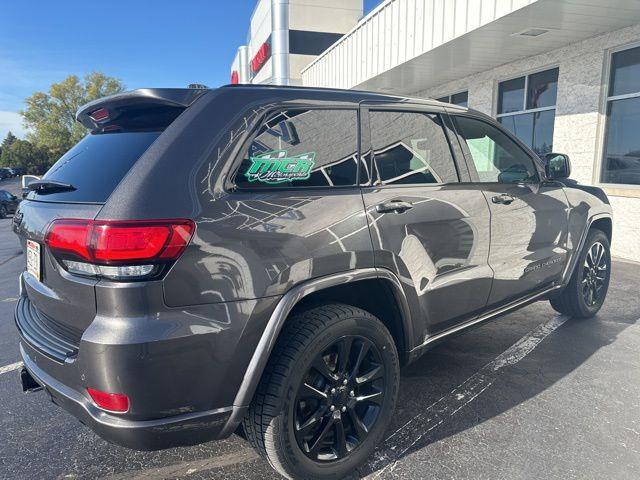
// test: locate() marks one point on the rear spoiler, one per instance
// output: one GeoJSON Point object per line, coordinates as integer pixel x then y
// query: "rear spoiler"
{"type": "Point", "coordinates": [103, 112]}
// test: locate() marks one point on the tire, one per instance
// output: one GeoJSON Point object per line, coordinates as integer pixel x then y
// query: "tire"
{"type": "Point", "coordinates": [574, 300]}
{"type": "Point", "coordinates": [3, 211]}
{"type": "Point", "coordinates": [275, 422]}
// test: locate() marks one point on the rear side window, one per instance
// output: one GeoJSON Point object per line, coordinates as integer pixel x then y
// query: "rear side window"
{"type": "Point", "coordinates": [302, 148]}
{"type": "Point", "coordinates": [95, 166]}
{"type": "Point", "coordinates": [410, 148]}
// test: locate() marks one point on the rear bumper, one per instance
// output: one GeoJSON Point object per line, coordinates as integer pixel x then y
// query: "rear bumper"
{"type": "Point", "coordinates": [186, 429]}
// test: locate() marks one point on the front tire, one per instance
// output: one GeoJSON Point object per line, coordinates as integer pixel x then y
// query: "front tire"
{"type": "Point", "coordinates": [327, 393]}
{"type": "Point", "coordinates": [3, 211]}
{"type": "Point", "coordinates": [584, 295]}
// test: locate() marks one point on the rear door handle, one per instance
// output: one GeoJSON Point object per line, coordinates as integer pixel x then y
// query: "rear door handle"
{"type": "Point", "coordinates": [503, 199]}
{"type": "Point", "coordinates": [393, 206]}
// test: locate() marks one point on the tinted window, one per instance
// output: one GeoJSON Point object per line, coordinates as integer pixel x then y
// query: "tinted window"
{"type": "Point", "coordinates": [542, 90]}
{"type": "Point", "coordinates": [511, 95]}
{"type": "Point", "coordinates": [622, 145]}
{"type": "Point", "coordinates": [625, 72]}
{"type": "Point", "coordinates": [410, 148]}
{"type": "Point", "coordinates": [530, 115]}
{"type": "Point", "coordinates": [461, 99]}
{"type": "Point", "coordinates": [302, 148]}
{"type": "Point", "coordinates": [95, 165]}
{"type": "Point", "coordinates": [497, 158]}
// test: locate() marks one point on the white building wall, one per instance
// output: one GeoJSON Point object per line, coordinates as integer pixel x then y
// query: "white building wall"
{"type": "Point", "coordinates": [580, 117]}
{"type": "Point", "coordinates": [397, 31]}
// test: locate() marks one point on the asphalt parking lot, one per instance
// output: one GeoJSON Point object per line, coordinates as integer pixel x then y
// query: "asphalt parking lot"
{"type": "Point", "coordinates": [531, 395]}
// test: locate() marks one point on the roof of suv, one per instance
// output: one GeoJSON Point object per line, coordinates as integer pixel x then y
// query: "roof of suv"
{"type": "Point", "coordinates": [183, 97]}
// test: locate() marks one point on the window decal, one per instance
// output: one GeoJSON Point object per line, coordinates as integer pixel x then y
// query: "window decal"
{"type": "Point", "coordinates": [276, 167]}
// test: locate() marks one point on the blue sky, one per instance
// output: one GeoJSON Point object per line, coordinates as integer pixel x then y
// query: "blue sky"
{"type": "Point", "coordinates": [158, 43]}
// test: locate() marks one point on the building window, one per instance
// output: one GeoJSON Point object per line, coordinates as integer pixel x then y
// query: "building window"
{"type": "Point", "coordinates": [621, 162]}
{"type": "Point", "coordinates": [461, 99]}
{"type": "Point", "coordinates": [527, 107]}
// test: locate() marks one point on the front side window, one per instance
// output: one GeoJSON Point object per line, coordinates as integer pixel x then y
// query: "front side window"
{"type": "Point", "coordinates": [621, 162]}
{"type": "Point", "coordinates": [410, 148]}
{"type": "Point", "coordinates": [496, 157]}
{"type": "Point", "coordinates": [527, 108]}
{"type": "Point", "coordinates": [302, 148]}
{"type": "Point", "coordinates": [461, 99]}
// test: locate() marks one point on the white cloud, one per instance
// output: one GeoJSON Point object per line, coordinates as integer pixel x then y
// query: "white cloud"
{"type": "Point", "coordinates": [11, 121]}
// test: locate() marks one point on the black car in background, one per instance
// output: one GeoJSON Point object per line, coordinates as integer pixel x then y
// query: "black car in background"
{"type": "Point", "coordinates": [8, 203]}
{"type": "Point", "coordinates": [5, 173]}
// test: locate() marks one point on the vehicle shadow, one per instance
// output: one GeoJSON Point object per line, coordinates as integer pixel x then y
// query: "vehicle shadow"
{"type": "Point", "coordinates": [449, 390]}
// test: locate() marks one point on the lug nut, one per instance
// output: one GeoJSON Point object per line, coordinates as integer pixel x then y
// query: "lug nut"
{"type": "Point", "coordinates": [344, 409]}
{"type": "Point", "coordinates": [333, 390]}
{"type": "Point", "coordinates": [344, 382]}
{"type": "Point", "coordinates": [332, 408]}
{"type": "Point", "coordinates": [352, 393]}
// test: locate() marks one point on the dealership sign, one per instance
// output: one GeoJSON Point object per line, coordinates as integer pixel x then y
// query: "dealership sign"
{"type": "Point", "coordinates": [261, 57]}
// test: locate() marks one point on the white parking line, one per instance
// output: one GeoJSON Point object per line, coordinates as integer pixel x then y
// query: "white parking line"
{"type": "Point", "coordinates": [405, 437]}
{"type": "Point", "coordinates": [10, 368]}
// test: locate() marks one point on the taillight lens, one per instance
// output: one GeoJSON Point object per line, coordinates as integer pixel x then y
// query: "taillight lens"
{"type": "Point", "coordinates": [118, 249]}
{"type": "Point", "coordinates": [114, 402]}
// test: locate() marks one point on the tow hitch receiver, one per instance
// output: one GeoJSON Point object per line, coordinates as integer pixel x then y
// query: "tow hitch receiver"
{"type": "Point", "coordinates": [28, 383]}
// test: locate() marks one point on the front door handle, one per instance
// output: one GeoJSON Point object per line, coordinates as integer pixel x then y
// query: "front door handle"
{"type": "Point", "coordinates": [503, 199]}
{"type": "Point", "coordinates": [393, 206]}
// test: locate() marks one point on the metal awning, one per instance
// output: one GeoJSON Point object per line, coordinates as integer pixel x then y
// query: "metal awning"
{"type": "Point", "coordinates": [407, 46]}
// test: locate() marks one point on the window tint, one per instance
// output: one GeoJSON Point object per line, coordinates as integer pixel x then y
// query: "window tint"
{"type": "Point", "coordinates": [461, 99]}
{"type": "Point", "coordinates": [542, 90]}
{"type": "Point", "coordinates": [530, 117]}
{"type": "Point", "coordinates": [511, 95]}
{"type": "Point", "coordinates": [625, 72]}
{"type": "Point", "coordinates": [95, 165]}
{"type": "Point", "coordinates": [302, 148]}
{"type": "Point", "coordinates": [410, 148]}
{"type": "Point", "coordinates": [497, 158]}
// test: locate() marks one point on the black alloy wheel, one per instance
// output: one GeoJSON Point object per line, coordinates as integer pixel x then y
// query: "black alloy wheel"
{"type": "Point", "coordinates": [339, 399]}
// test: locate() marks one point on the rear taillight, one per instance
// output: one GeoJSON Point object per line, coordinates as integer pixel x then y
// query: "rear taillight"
{"type": "Point", "coordinates": [114, 402]}
{"type": "Point", "coordinates": [118, 249]}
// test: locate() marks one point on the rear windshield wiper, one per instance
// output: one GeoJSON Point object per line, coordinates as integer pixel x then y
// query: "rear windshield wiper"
{"type": "Point", "coordinates": [50, 186]}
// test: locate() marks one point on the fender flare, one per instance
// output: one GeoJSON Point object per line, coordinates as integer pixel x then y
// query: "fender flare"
{"type": "Point", "coordinates": [573, 262]}
{"type": "Point", "coordinates": [290, 299]}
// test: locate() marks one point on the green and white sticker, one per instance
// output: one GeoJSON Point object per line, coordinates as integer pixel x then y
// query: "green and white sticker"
{"type": "Point", "coordinates": [276, 167]}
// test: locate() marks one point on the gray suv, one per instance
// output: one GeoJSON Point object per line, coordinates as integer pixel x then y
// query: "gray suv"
{"type": "Point", "coordinates": [263, 260]}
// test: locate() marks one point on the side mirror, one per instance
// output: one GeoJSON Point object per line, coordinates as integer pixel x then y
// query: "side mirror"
{"type": "Point", "coordinates": [557, 166]}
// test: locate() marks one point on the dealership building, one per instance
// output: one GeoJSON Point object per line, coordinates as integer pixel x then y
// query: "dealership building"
{"type": "Point", "coordinates": [563, 75]}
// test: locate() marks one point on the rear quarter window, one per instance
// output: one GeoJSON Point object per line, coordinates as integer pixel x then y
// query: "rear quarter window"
{"type": "Point", "coordinates": [95, 166]}
{"type": "Point", "coordinates": [302, 148]}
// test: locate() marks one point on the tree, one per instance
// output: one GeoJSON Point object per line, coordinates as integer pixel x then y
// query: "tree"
{"type": "Point", "coordinates": [50, 117]}
{"type": "Point", "coordinates": [8, 140]}
{"type": "Point", "coordinates": [23, 153]}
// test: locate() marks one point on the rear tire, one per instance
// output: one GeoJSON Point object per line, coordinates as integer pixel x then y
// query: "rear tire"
{"type": "Point", "coordinates": [3, 211]}
{"type": "Point", "coordinates": [326, 395]}
{"type": "Point", "coordinates": [587, 289]}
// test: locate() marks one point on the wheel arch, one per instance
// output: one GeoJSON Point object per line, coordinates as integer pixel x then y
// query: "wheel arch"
{"type": "Point", "coordinates": [601, 221]}
{"type": "Point", "coordinates": [332, 288]}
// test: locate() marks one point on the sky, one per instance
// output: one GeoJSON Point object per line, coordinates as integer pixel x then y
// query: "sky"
{"type": "Point", "coordinates": [144, 43]}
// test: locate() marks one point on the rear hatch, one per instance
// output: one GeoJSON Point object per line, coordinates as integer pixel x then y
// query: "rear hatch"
{"type": "Point", "coordinates": [61, 305]}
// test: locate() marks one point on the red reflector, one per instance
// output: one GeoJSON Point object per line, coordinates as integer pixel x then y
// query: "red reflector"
{"type": "Point", "coordinates": [114, 402]}
{"type": "Point", "coordinates": [107, 242]}
{"type": "Point", "coordinates": [100, 114]}
{"type": "Point", "coordinates": [235, 77]}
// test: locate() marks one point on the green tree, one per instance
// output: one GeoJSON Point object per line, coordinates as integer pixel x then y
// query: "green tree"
{"type": "Point", "coordinates": [8, 140]}
{"type": "Point", "coordinates": [50, 117]}
{"type": "Point", "coordinates": [23, 153]}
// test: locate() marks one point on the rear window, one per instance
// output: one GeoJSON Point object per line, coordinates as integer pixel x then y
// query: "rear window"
{"type": "Point", "coordinates": [96, 165]}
